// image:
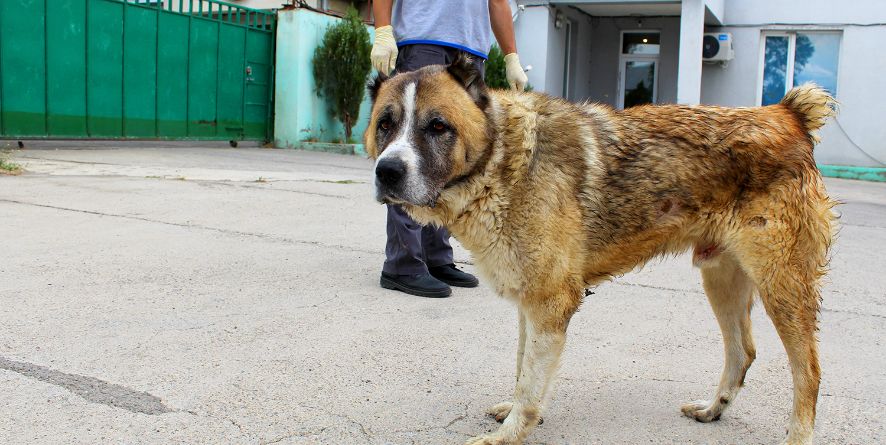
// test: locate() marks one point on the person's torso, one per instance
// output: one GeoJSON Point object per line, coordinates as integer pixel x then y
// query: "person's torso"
{"type": "Point", "coordinates": [462, 24]}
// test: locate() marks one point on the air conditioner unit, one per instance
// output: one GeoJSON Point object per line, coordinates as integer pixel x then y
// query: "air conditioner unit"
{"type": "Point", "coordinates": [717, 47]}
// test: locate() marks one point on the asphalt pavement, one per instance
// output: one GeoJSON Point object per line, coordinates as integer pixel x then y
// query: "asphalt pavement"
{"type": "Point", "coordinates": [205, 295]}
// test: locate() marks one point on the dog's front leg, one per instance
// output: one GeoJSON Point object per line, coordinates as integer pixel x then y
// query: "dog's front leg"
{"type": "Point", "coordinates": [545, 336]}
{"type": "Point", "coordinates": [501, 410]}
{"type": "Point", "coordinates": [521, 342]}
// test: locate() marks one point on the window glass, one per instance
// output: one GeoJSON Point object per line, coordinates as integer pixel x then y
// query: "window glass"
{"type": "Point", "coordinates": [640, 43]}
{"type": "Point", "coordinates": [815, 60]}
{"type": "Point", "coordinates": [775, 68]}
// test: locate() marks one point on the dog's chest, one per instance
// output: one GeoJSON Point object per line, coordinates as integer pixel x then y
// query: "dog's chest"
{"type": "Point", "coordinates": [500, 268]}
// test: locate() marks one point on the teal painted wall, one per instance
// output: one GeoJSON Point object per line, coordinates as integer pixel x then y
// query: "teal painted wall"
{"type": "Point", "coordinates": [847, 172]}
{"type": "Point", "coordinates": [300, 115]}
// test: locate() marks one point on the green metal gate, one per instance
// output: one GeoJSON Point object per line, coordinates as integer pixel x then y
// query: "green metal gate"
{"type": "Point", "coordinates": [143, 69]}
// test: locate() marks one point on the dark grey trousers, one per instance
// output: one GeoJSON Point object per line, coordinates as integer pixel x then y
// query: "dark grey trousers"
{"type": "Point", "coordinates": [412, 248]}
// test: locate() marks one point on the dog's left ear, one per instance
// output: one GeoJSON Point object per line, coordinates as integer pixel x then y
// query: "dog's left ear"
{"type": "Point", "coordinates": [374, 85]}
{"type": "Point", "coordinates": [466, 72]}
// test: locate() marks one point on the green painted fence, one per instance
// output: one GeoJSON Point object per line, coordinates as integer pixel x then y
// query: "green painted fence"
{"type": "Point", "coordinates": [143, 69]}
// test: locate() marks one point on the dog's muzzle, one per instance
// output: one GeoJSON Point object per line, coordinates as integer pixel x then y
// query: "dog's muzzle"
{"type": "Point", "coordinates": [390, 176]}
{"type": "Point", "coordinates": [396, 185]}
{"type": "Point", "coordinates": [390, 173]}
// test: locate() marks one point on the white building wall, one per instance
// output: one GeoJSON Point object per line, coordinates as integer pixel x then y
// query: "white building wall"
{"type": "Point", "coordinates": [531, 31]}
{"type": "Point", "coordinates": [692, 17]}
{"type": "Point", "coordinates": [543, 46]}
{"type": "Point", "coordinates": [857, 136]}
{"type": "Point", "coordinates": [744, 12]}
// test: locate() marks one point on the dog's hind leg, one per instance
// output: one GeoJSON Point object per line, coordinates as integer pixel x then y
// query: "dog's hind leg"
{"type": "Point", "coordinates": [730, 292]}
{"type": "Point", "coordinates": [545, 331]}
{"type": "Point", "coordinates": [792, 304]}
{"type": "Point", "coordinates": [786, 258]}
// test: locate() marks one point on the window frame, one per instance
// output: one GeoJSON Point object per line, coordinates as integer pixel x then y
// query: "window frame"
{"type": "Point", "coordinates": [791, 34]}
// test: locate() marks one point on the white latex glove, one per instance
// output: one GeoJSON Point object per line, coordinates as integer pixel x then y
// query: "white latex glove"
{"type": "Point", "coordinates": [384, 50]}
{"type": "Point", "coordinates": [514, 72]}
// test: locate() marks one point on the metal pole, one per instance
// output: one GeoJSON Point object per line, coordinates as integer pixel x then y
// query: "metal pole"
{"type": "Point", "coordinates": [45, 72]}
{"type": "Point", "coordinates": [2, 132]}
{"type": "Point", "coordinates": [217, 73]}
{"type": "Point", "coordinates": [243, 94]}
{"type": "Point", "coordinates": [86, 67]}
{"type": "Point", "coordinates": [123, 76]}
{"type": "Point", "coordinates": [157, 76]}
{"type": "Point", "coordinates": [188, 77]}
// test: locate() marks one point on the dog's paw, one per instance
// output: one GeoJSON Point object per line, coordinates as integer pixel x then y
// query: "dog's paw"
{"type": "Point", "coordinates": [500, 411]}
{"type": "Point", "coordinates": [488, 440]}
{"type": "Point", "coordinates": [702, 411]}
{"type": "Point", "coordinates": [806, 440]}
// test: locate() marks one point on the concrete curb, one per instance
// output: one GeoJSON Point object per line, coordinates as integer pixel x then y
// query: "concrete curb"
{"type": "Point", "coordinates": [848, 172]}
{"type": "Point", "coordinates": [330, 147]}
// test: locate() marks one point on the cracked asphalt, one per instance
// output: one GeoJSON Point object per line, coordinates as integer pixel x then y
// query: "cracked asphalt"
{"type": "Point", "coordinates": [156, 293]}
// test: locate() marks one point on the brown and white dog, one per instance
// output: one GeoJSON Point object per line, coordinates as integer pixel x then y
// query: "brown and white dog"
{"type": "Point", "coordinates": [552, 197]}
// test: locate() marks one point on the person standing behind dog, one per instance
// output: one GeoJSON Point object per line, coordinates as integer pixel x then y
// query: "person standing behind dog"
{"type": "Point", "coordinates": [411, 34]}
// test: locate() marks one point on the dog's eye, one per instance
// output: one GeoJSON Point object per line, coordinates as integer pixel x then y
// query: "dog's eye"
{"type": "Point", "coordinates": [385, 125]}
{"type": "Point", "coordinates": [437, 126]}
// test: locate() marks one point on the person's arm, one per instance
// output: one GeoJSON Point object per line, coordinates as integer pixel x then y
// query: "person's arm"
{"type": "Point", "coordinates": [384, 50]}
{"type": "Point", "coordinates": [502, 25]}
{"type": "Point", "coordinates": [503, 28]}
{"type": "Point", "coordinates": [381, 10]}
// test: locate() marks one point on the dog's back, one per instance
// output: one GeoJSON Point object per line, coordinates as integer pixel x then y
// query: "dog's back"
{"type": "Point", "coordinates": [665, 178]}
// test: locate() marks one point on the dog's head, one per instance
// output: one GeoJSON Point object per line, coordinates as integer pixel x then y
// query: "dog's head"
{"type": "Point", "coordinates": [428, 130]}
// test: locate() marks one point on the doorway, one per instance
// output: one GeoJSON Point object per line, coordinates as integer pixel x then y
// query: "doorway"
{"type": "Point", "coordinates": [638, 68]}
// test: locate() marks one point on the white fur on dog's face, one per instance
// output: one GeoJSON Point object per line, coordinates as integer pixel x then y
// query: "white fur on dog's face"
{"type": "Point", "coordinates": [402, 148]}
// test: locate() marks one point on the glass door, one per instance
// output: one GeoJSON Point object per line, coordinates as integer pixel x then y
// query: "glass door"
{"type": "Point", "coordinates": [638, 82]}
{"type": "Point", "coordinates": [638, 68]}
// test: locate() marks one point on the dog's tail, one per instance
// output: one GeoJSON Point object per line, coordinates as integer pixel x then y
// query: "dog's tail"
{"type": "Point", "coordinates": [812, 105]}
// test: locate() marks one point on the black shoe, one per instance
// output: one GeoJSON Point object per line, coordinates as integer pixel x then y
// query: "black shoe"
{"type": "Point", "coordinates": [422, 285]}
{"type": "Point", "coordinates": [450, 275]}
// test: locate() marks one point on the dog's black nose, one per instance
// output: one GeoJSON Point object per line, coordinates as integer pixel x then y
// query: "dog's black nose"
{"type": "Point", "coordinates": [390, 171]}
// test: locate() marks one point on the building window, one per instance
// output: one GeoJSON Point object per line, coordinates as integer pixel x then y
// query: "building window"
{"type": "Point", "coordinates": [638, 42]}
{"type": "Point", "coordinates": [791, 59]}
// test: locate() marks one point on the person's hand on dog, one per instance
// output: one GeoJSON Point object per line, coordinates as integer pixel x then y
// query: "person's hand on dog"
{"type": "Point", "coordinates": [384, 50]}
{"type": "Point", "coordinates": [514, 72]}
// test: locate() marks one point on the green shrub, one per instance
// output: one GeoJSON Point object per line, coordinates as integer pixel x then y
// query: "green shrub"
{"type": "Point", "coordinates": [495, 70]}
{"type": "Point", "coordinates": [341, 66]}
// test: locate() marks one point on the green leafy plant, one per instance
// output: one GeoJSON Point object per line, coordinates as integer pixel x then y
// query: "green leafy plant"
{"type": "Point", "coordinates": [495, 70]}
{"type": "Point", "coordinates": [8, 167]}
{"type": "Point", "coordinates": [341, 66]}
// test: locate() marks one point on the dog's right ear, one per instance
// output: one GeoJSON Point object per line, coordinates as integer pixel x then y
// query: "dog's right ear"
{"type": "Point", "coordinates": [374, 84]}
{"type": "Point", "coordinates": [464, 70]}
